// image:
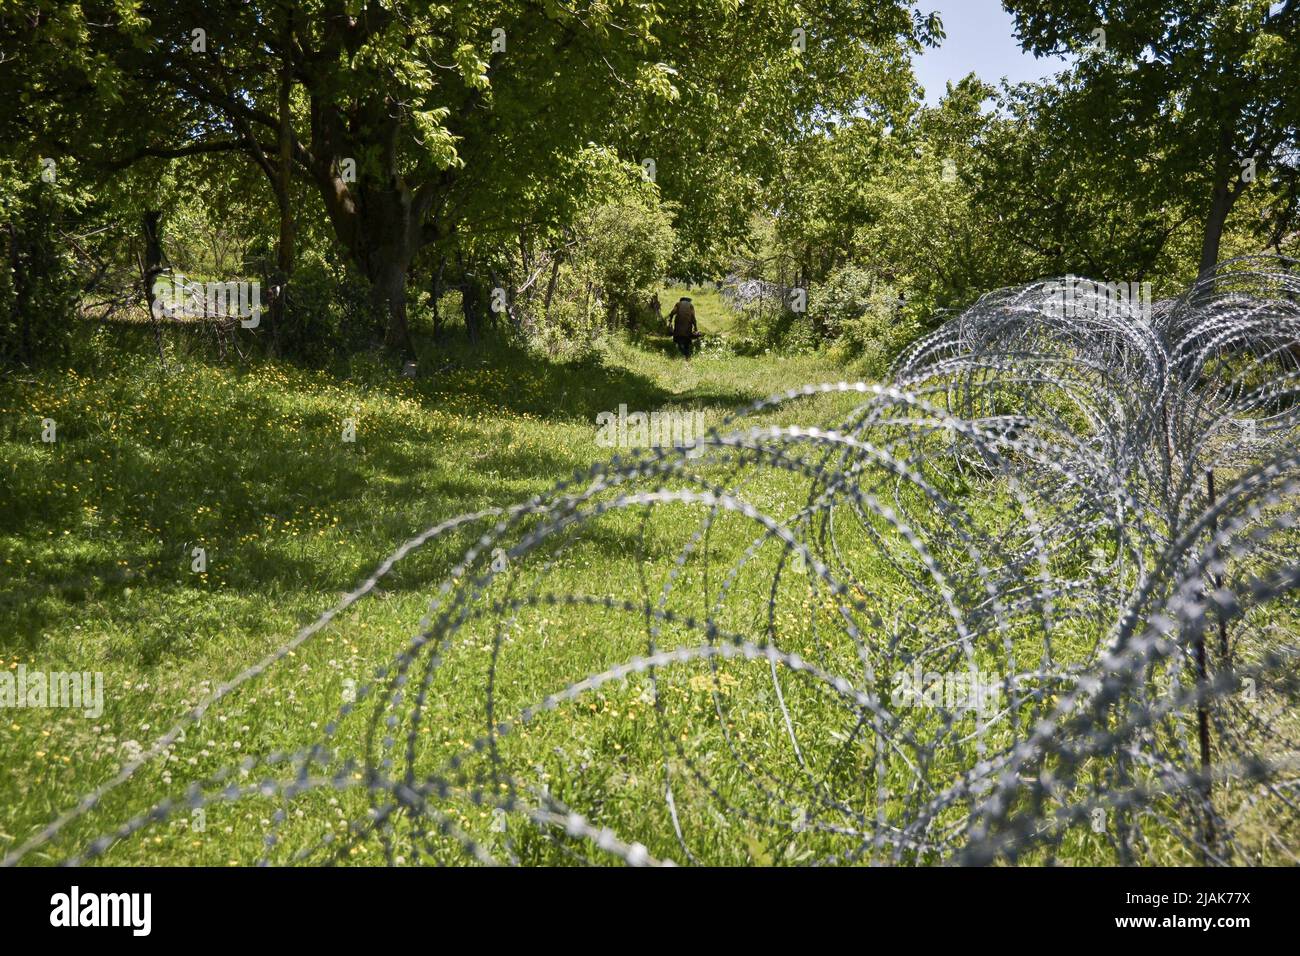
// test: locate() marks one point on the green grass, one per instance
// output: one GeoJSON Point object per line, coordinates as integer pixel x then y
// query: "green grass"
{"type": "Point", "coordinates": [96, 537]}
{"type": "Point", "coordinates": [97, 532]}
{"type": "Point", "coordinates": [714, 315]}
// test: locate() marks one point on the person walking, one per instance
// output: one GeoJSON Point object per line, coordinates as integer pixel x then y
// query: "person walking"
{"type": "Point", "coordinates": [685, 329]}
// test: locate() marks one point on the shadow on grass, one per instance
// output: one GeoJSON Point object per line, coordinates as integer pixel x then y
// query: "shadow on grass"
{"type": "Point", "coordinates": [246, 461]}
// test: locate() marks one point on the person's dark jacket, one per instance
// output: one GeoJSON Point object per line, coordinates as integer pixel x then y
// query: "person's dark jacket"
{"type": "Point", "coordinates": [683, 316]}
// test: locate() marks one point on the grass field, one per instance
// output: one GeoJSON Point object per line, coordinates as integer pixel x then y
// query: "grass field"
{"type": "Point", "coordinates": [98, 532]}
{"type": "Point", "coordinates": [295, 483]}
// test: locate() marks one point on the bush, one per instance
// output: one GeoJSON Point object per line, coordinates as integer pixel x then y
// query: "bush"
{"type": "Point", "coordinates": [862, 317]}
{"type": "Point", "coordinates": [768, 325]}
{"type": "Point", "coordinates": [623, 250]}
{"type": "Point", "coordinates": [329, 312]}
{"type": "Point", "coordinates": [573, 325]}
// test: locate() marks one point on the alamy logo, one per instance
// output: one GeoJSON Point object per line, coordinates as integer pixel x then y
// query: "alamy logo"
{"type": "Point", "coordinates": [103, 909]}
{"type": "Point", "coordinates": [956, 691]}
{"type": "Point", "coordinates": [36, 689]}
{"type": "Point", "coordinates": [200, 300]}
{"type": "Point", "coordinates": [626, 429]}
{"type": "Point", "coordinates": [1071, 297]}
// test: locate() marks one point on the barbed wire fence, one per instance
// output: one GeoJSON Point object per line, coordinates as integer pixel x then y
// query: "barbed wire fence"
{"type": "Point", "coordinates": [1032, 600]}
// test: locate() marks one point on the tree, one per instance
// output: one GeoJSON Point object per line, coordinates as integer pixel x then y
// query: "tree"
{"type": "Point", "coordinates": [417, 122]}
{"type": "Point", "coordinates": [625, 247]}
{"type": "Point", "coordinates": [897, 200]}
{"type": "Point", "coordinates": [1199, 95]}
{"type": "Point", "coordinates": [1056, 210]}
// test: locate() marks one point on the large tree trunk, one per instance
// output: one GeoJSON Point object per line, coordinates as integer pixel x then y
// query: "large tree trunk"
{"type": "Point", "coordinates": [378, 218]}
{"type": "Point", "coordinates": [382, 235]}
{"type": "Point", "coordinates": [389, 239]}
{"type": "Point", "coordinates": [387, 275]}
{"type": "Point", "coordinates": [1221, 203]}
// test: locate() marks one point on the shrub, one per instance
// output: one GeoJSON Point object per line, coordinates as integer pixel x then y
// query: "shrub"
{"type": "Point", "coordinates": [862, 316]}
{"type": "Point", "coordinates": [329, 312]}
{"type": "Point", "coordinates": [770, 326]}
{"type": "Point", "coordinates": [624, 249]}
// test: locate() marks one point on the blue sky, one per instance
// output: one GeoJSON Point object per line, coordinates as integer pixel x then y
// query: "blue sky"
{"type": "Point", "coordinates": [980, 40]}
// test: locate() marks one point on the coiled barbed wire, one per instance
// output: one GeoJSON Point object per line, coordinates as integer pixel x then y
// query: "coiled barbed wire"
{"type": "Point", "coordinates": [1032, 600]}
